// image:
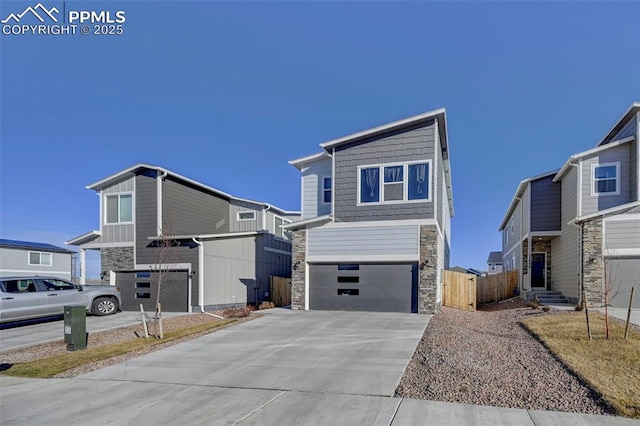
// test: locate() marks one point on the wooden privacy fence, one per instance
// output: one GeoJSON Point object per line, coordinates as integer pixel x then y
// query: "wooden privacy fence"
{"type": "Point", "coordinates": [459, 290]}
{"type": "Point", "coordinates": [466, 291]}
{"type": "Point", "coordinates": [494, 288]}
{"type": "Point", "coordinates": [280, 290]}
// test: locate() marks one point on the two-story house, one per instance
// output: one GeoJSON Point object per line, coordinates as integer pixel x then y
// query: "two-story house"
{"type": "Point", "coordinates": [578, 229]}
{"type": "Point", "coordinates": [376, 219]}
{"type": "Point", "coordinates": [33, 258]}
{"type": "Point", "coordinates": [222, 248]}
{"type": "Point", "coordinates": [494, 263]}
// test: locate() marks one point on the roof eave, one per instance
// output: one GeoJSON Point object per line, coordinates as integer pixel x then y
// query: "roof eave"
{"type": "Point", "coordinates": [633, 109]}
{"type": "Point", "coordinates": [383, 129]}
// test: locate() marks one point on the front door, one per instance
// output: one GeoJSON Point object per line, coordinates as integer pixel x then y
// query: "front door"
{"type": "Point", "coordinates": [538, 270]}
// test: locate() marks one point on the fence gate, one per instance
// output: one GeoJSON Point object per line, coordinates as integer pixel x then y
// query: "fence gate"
{"type": "Point", "coordinates": [280, 290]}
{"type": "Point", "coordinates": [459, 290]}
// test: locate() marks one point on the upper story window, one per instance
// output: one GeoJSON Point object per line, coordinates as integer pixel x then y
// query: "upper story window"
{"type": "Point", "coordinates": [248, 215]}
{"type": "Point", "coordinates": [39, 258]}
{"type": "Point", "coordinates": [279, 231]}
{"type": "Point", "coordinates": [326, 190]}
{"type": "Point", "coordinates": [119, 208]}
{"type": "Point", "coordinates": [605, 178]}
{"type": "Point", "coordinates": [389, 183]}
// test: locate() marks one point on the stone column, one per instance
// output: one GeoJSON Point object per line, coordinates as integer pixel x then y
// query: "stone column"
{"type": "Point", "coordinates": [298, 269]}
{"type": "Point", "coordinates": [428, 270]}
{"type": "Point", "coordinates": [592, 262]}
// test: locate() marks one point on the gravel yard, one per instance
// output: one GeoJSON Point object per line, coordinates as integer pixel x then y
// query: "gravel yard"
{"type": "Point", "coordinates": [487, 358]}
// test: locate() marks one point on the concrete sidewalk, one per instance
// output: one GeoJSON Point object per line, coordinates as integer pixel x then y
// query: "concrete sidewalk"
{"type": "Point", "coordinates": [286, 368]}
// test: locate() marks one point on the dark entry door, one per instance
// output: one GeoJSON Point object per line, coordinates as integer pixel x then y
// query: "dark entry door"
{"type": "Point", "coordinates": [538, 265]}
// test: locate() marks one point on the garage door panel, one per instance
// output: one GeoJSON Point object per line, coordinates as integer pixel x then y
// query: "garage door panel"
{"type": "Point", "coordinates": [625, 273]}
{"type": "Point", "coordinates": [370, 287]}
{"type": "Point", "coordinates": [141, 288]}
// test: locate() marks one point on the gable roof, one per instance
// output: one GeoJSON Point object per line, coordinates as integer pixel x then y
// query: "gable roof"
{"type": "Point", "coordinates": [519, 191]}
{"type": "Point", "coordinates": [131, 171]}
{"type": "Point", "coordinates": [587, 153]}
{"type": "Point", "coordinates": [30, 245]}
{"type": "Point", "coordinates": [495, 257]}
{"type": "Point", "coordinates": [633, 110]}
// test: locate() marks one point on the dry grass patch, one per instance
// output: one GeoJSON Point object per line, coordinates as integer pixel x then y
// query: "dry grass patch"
{"type": "Point", "coordinates": [611, 367]}
{"type": "Point", "coordinates": [50, 367]}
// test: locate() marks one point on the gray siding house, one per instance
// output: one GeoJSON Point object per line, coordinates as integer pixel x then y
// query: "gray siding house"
{"type": "Point", "coordinates": [376, 219]}
{"type": "Point", "coordinates": [494, 263]}
{"type": "Point", "coordinates": [578, 228]}
{"type": "Point", "coordinates": [223, 248]}
{"type": "Point", "coordinates": [31, 258]}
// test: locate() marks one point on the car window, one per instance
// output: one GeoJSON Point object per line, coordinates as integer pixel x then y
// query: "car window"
{"type": "Point", "coordinates": [19, 286]}
{"type": "Point", "coordinates": [53, 284]}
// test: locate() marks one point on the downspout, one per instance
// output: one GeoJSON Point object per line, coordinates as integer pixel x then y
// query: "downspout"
{"type": "Point", "coordinates": [264, 217]}
{"type": "Point", "coordinates": [520, 243]}
{"type": "Point", "coordinates": [201, 279]}
{"type": "Point", "coordinates": [579, 266]}
{"type": "Point", "coordinates": [159, 219]}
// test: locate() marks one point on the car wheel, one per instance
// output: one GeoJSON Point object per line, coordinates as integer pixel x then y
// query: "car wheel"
{"type": "Point", "coordinates": [104, 306]}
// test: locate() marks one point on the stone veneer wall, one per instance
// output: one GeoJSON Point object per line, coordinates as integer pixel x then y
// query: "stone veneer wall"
{"type": "Point", "coordinates": [299, 258]}
{"type": "Point", "coordinates": [592, 262]}
{"type": "Point", "coordinates": [115, 259]}
{"type": "Point", "coordinates": [427, 281]}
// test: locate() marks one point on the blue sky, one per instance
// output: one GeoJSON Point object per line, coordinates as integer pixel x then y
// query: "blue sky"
{"type": "Point", "coordinates": [226, 93]}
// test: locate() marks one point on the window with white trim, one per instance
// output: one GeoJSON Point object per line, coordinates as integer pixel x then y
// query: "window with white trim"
{"type": "Point", "coordinates": [279, 222]}
{"type": "Point", "coordinates": [248, 215]}
{"type": "Point", "coordinates": [39, 258]}
{"type": "Point", "coordinates": [605, 178]}
{"type": "Point", "coordinates": [326, 190]}
{"type": "Point", "coordinates": [394, 183]}
{"type": "Point", "coordinates": [118, 208]}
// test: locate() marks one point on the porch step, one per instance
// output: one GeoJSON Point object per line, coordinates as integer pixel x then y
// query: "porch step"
{"type": "Point", "coordinates": [549, 297]}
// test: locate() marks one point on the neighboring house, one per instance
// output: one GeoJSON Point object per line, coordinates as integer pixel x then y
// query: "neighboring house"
{"type": "Point", "coordinates": [494, 263]}
{"type": "Point", "coordinates": [578, 228]}
{"type": "Point", "coordinates": [30, 258]}
{"type": "Point", "coordinates": [376, 215]}
{"type": "Point", "coordinates": [471, 271]}
{"type": "Point", "coordinates": [224, 247]}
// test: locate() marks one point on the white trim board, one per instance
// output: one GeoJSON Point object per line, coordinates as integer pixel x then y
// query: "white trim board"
{"type": "Point", "coordinates": [389, 223]}
{"type": "Point", "coordinates": [351, 258]}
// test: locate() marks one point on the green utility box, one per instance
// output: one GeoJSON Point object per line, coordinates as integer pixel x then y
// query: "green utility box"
{"type": "Point", "coordinates": [75, 327]}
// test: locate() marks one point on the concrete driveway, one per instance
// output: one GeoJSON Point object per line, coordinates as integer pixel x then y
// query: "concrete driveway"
{"type": "Point", "coordinates": [287, 368]}
{"type": "Point", "coordinates": [316, 351]}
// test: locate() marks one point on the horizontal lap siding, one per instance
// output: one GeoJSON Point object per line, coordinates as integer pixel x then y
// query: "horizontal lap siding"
{"type": "Point", "coordinates": [622, 234]}
{"type": "Point", "coordinates": [564, 265]}
{"type": "Point", "coordinates": [410, 145]}
{"type": "Point", "coordinates": [377, 240]}
{"type": "Point", "coordinates": [598, 202]}
{"type": "Point", "coordinates": [188, 210]}
{"type": "Point", "coordinates": [312, 190]}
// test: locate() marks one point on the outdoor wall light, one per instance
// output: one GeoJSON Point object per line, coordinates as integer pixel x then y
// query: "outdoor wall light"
{"type": "Point", "coordinates": [592, 260]}
{"type": "Point", "coordinates": [102, 275]}
{"type": "Point", "coordinates": [296, 266]}
{"type": "Point", "coordinates": [424, 264]}
{"type": "Point", "coordinates": [192, 273]}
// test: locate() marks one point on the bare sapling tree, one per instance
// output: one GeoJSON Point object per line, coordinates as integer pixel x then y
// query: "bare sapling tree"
{"type": "Point", "coordinates": [610, 288]}
{"type": "Point", "coordinates": [165, 261]}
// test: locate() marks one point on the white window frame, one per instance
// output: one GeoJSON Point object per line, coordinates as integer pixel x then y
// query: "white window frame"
{"type": "Point", "coordinates": [405, 182]}
{"type": "Point", "coordinates": [593, 179]}
{"type": "Point", "coordinates": [105, 207]}
{"type": "Point", "coordinates": [285, 221]}
{"type": "Point", "coordinates": [239, 219]}
{"type": "Point", "coordinates": [40, 253]}
{"type": "Point", "coordinates": [323, 190]}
